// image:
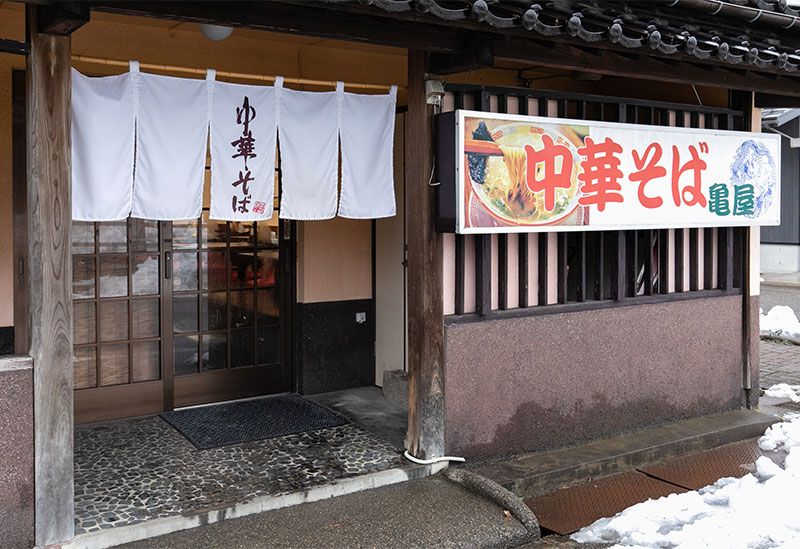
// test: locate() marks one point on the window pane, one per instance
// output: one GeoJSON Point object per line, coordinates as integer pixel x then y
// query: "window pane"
{"type": "Point", "coordinates": [114, 364]}
{"type": "Point", "coordinates": [267, 268]}
{"type": "Point", "coordinates": [213, 271]}
{"type": "Point", "coordinates": [82, 276]}
{"type": "Point", "coordinates": [241, 234]}
{"type": "Point", "coordinates": [213, 232]}
{"type": "Point", "coordinates": [84, 325]}
{"type": "Point", "coordinates": [145, 275]}
{"type": "Point", "coordinates": [184, 234]}
{"type": "Point", "coordinates": [144, 235]}
{"type": "Point", "coordinates": [242, 272]}
{"type": "Point", "coordinates": [113, 276]}
{"type": "Point", "coordinates": [269, 345]}
{"type": "Point", "coordinates": [242, 350]}
{"type": "Point", "coordinates": [184, 271]}
{"type": "Point", "coordinates": [186, 355]}
{"type": "Point", "coordinates": [241, 308]}
{"type": "Point", "coordinates": [82, 237]}
{"type": "Point", "coordinates": [85, 367]}
{"type": "Point", "coordinates": [184, 313]}
{"type": "Point", "coordinates": [113, 320]}
{"type": "Point", "coordinates": [146, 360]}
{"type": "Point", "coordinates": [113, 236]}
{"type": "Point", "coordinates": [215, 311]}
{"type": "Point", "coordinates": [146, 318]}
{"type": "Point", "coordinates": [268, 308]}
{"type": "Point", "coordinates": [215, 351]}
{"type": "Point", "coordinates": [267, 232]}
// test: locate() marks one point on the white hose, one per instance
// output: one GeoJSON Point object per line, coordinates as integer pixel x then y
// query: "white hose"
{"type": "Point", "coordinates": [432, 460]}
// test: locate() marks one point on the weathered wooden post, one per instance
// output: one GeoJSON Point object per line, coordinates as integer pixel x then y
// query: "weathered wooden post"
{"type": "Point", "coordinates": [425, 293]}
{"type": "Point", "coordinates": [50, 279]}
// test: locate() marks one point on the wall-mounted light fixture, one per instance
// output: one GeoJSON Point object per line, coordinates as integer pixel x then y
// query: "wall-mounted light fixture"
{"type": "Point", "coordinates": [215, 32]}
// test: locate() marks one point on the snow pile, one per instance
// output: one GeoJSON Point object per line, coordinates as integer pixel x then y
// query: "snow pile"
{"type": "Point", "coordinates": [758, 510]}
{"type": "Point", "coordinates": [780, 321]}
{"type": "Point", "coordinates": [784, 390]}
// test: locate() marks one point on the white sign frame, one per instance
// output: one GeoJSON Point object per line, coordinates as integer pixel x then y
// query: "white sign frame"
{"type": "Point", "coordinates": [726, 221]}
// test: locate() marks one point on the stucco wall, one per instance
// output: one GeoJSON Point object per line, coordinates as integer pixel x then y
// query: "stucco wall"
{"type": "Point", "coordinates": [527, 384]}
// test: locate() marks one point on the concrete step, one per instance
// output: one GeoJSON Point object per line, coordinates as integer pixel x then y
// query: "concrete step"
{"type": "Point", "coordinates": [535, 474]}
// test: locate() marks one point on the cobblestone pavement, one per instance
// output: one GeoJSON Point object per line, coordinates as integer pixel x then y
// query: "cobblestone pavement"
{"type": "Point", "coordinates": [131, 470]}
{"type": "Point", "coordinates": [780, 363]}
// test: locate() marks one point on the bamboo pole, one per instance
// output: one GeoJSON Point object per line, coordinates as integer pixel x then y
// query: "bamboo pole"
{"type": "Point", "coordinates": [228, 74]}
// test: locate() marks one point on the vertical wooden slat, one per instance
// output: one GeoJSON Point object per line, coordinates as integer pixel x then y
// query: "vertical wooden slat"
{"type": "Point", "coordinates": [632, 238]}
{"type": "Point", "coordinates": [523, 269]}
{"type": "Point", "coordinates": [425, 292]}
{"type": "Point", "coordinates": [502, 271]}
{"type": "Point", "coordinates": [599, 264]}
{"type": "Point", "coordinates": [694, 119]}
{"type": "Point", "coordinates": [725, 257]}
{"type": "Point", "coordinates": [561, 108]}
{"type": "Point", "coordinates": [648, 261]}
{"type": "Point", "coordinates": [483, 273]}
{"type": "Point", "coordinates": [622, 112]}
{"type": "Point", "coordinates": [708, 258]}
{"type": "Point", "coordinates": [694, 283]}
{"type": "Point", "coordinates": [459, 305]}
{"type": "Point", "coordinates": [581, 282]}
{"type": "Point", "coordinates": [663, 261]}
{"type": "Point", "coordinates": [680, 119]}
{"type": "Point", "coordinates": [542, 105]}
{"type": "Point", "coordinates": [562, 267]}
{"type": "Point", "coordinates": [618, 266]}
{"type": "Point", "coordinates": [522, 104]}
{"type": "Point", "coordinates": [581, 114]}
{"type": "Point", "coordinates": [679, 267]}
{"type": "Point", "coordinates": [543, 268]}
{"type": "Point", "coordinates": [50, 279]}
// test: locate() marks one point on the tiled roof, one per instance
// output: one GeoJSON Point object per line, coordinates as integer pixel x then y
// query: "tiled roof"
{"type": "Point", "coordinates": [760, 33]}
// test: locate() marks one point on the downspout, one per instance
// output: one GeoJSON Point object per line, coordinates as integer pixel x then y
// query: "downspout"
{"type": "Point", "coordinates": [745, 13]}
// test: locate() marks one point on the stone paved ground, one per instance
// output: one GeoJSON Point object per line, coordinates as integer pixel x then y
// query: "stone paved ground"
{"type": "Point", "coordinates": [780, 363]}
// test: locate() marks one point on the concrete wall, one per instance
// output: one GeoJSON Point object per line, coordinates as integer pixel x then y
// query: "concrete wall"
{"type": "Point", "coordinates": [527, 384]}
{"type": "Point", "coordinates": [16, 449]}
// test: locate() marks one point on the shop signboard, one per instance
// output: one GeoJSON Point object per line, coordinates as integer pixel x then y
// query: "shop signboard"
{"type": "Point", "coordinates": [534, 174]}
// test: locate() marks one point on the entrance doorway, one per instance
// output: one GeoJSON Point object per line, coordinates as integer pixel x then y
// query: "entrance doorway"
{"type": "Point", "coordinates": [171, 314]}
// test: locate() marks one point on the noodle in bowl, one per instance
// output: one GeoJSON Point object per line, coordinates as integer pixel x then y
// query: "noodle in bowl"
{"type": "Point", "coordinates": [504, 192]}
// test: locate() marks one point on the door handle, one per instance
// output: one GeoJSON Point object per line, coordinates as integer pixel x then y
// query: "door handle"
{"type": "Point", "coordinates": [167, 264]}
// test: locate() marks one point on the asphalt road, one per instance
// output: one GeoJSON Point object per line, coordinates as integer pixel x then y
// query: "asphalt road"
{"type": "Point", "coordinates": [772, 295]}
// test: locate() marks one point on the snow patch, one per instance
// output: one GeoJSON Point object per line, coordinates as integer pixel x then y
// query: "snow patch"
{"type": "Point", "coordinates": [784, 390]}
{"type": "Point", "coordinates": [780, 321]}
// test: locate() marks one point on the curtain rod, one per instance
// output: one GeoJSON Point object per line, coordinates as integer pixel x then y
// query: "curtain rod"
{"type": "Point", "coordinates": [227, 74]}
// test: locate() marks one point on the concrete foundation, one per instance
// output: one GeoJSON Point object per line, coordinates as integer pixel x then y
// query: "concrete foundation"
{"type": "Point", "coordinates": [16, 449]}
{"type": "Point", "coordinates": [548, 381]}
{"type": "Point", "coordinates": [780, 258]}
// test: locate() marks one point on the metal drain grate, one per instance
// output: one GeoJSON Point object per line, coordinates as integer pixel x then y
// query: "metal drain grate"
{"type": "Point", "coordinates": [698, 470]}
{"type": "Point", "coordinates": [570, 509]}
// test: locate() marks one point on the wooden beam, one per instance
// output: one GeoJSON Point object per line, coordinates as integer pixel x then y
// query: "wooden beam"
{"type": "Point", "coordinates": [425, 292]}
{"type": "Point", "coordinates": [50, 270]}
{"type": "Point", "coordinates": [61, 18]}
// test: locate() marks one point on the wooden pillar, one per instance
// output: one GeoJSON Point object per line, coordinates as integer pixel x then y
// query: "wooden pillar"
{"type": "Point", "coordinates": [425, 292]}
{"type": "Point", "coordinates": [50, 268]}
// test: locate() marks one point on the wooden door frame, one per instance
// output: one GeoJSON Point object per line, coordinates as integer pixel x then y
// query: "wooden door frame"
{"type": "Point", "coordinates": [19, 200]}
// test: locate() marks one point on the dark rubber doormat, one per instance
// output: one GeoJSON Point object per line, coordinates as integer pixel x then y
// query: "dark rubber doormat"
{"type": "Point", "coordinates": [244, 421]}
{"type": "Point", "coordinates": [570, 509]}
